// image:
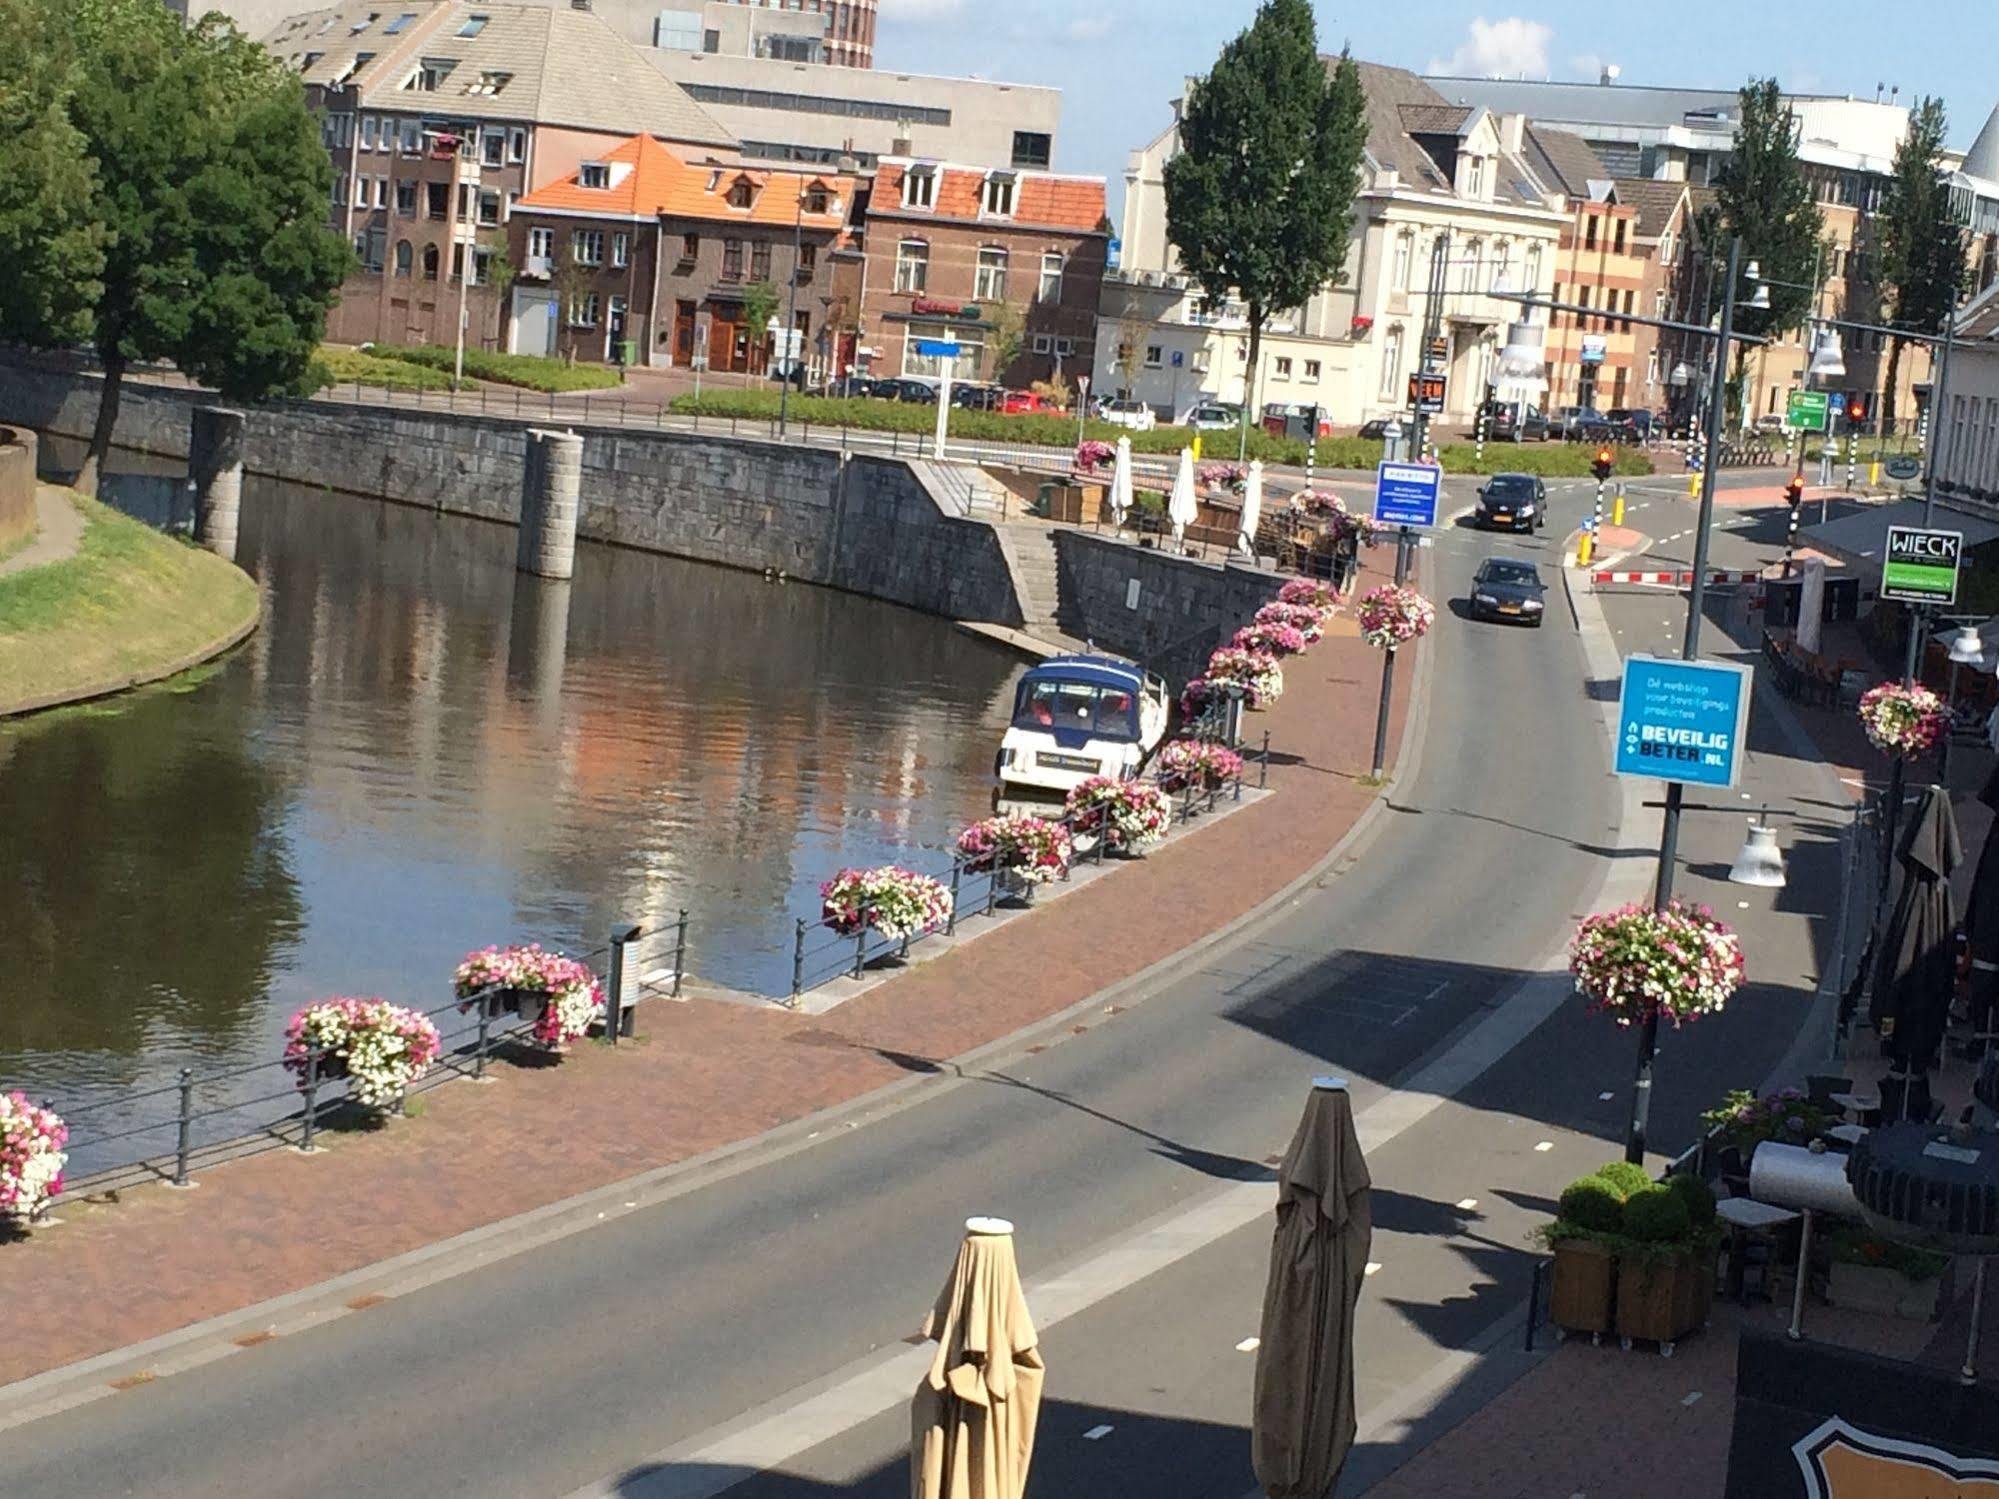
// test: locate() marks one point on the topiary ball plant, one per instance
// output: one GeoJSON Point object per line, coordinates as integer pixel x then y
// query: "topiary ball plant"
{"type": "Point", "coordinates": [1624, 1177]}
{"type": "Point", "coordinates": [1657, 1215]}
{"type": "Point", "coordinates": [1590, 1205]}
{"type": "Point", "coordinates": [1698, 1197]}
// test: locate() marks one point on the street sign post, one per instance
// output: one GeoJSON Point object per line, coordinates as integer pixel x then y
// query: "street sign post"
{"type": "Point", "coordinates": [1920, 566]}
{"type": "Point", "coordinates": [1405, 494]}
{"type": "Point", "coordinates": [1682, 720]}
{"type": "Point", "coordinates": [1808, 411]}
{"type": "Point", "coordinates": [944, 350]}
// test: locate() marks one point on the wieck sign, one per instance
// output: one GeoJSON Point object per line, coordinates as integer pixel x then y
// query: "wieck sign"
{"type": "Point", "coordinates": [1920, 566]}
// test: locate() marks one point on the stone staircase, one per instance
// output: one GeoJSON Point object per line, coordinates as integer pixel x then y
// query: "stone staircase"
{"type": "Point", "coordinates": [1030, 552]}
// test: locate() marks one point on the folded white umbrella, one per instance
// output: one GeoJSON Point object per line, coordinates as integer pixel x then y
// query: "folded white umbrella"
{"type": "Point", "coordinates": [1252, 505]}
{"type": "Point", "coordinates": [1181, 508]}
{"type": "Point", "coordinates": [1121, 496]}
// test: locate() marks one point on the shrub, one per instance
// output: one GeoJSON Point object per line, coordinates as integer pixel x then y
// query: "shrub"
{"type": "Point", "coordinates": [1746, 1121]}
{"type": "Point", "coordinates": [529, 370]}
{"type": "Point", "coordinates": [1657, 1215]}
{"type": "Point", "coordinates": [1625, 1178]}
{"type": "Point", "coordinates": [335, 365]}
{"type": "Point", "coordinates": [1590, 1205]}
{"type": "Point", "coordinates": [1698, 1197]}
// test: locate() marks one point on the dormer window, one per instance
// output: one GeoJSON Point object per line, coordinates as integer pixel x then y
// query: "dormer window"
{"type": "Point", "coordinates": [489, 83]}
{"type": "Point", "coordinates": [817, 199]}
{"type": "Point", "coordinates": [741, 193]}
{"type": "Point", "coordinates": [997, 202]}
{"type": "Point", "coordinates": [1475, 177]}
{"type": "Point", "coordinates": [430, 74]}
{"type": "Point", "coordinates": [919, 187]}
{"type": "Point", "coordinates": [401, 23]}
{"type": "Point", "coordinates": [593, 174]}
{"type": "Point", "coordinates": [306, 62]}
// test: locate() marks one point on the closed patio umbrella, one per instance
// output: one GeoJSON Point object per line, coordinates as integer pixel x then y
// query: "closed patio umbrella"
{"type": "Point", "coordinates": [1181, 507]}
{"type": "Point", "coordinates": [1981, 931]}
{"type": "Point", "coordinates": [1252, 505]}
{"type": "Point", "coordinates": [1918, 970]}
{"type": "Point", "coordinates": [1120, 496]}
{"type": "Point", "coordinates": [972, 1421]}
{"type": "Point", "coordinates": [1303, 1422]}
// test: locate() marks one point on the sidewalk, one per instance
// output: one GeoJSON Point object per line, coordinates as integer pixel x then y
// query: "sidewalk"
{"type": "Point", "coordinates": [704, 1075]}
{"type": "Point", "coordinates": [57, 535]}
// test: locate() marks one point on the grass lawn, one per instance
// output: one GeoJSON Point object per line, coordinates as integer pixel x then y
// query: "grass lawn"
{"type": "Point", "coordinates": [337, 364]}
{"type": "Point", "coordinates": [528, 370]}
{"type": "Point", "coordinates": [130, 602]}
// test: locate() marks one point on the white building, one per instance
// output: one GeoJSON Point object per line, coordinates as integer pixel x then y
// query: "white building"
{"type": "Point", "coordinates": [1433, 175]}
{"type": "Point", "coordinates": [1967, 439]}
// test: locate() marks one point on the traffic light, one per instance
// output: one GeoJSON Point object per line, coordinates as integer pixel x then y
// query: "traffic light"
{"type": "Point", "coordinates": [1856, 411]}
{"type": "Point", "coordinates": [1605, 462]}
{"type": "Point", "coordinates": [1794, 491]}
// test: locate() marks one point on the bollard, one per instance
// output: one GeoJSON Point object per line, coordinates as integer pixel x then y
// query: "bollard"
{"type": "Point", "coordinates": [186, 1126]}
{"type": "Point", "coordinates": [1263, 764]}
{"type": "Point", "coordinates": [797, 962]}
{"type": "Point", "coordinates": [861, 943]}
{"type": "Point", "coordinates": [1617, 507]}
{"type": "Point", "coordinates": [679, 950]}
{"type": "Point", "coordinates": [1585, 545]}
{"type": "Point", "coordinates": [1478, 451]}
{"type": "Point", "coordinates": [1852, 459]}
{"type": "Point", "coordinates": [311, 1097]}
{"type": "Point", "coordinates": [1874, 472]}
{"type": "Point", "coordinates": [614, 990]}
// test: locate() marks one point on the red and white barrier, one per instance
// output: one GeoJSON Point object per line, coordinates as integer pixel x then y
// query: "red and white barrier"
{"type": "Point", "coordinates": [1679, 579]}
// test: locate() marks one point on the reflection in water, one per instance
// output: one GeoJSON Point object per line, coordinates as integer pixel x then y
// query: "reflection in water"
{"type": "Point", "coordinates": [423, 752]}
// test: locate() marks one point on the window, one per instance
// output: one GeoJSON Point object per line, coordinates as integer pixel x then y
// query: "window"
{"type": "Point", "coordinates": [1154, 356]}
{"type": "Point", "coordinates": [493, 147]}
{"type": "Point", "coordinates": [1589, 233]}
{"type": "Point", "coordinates": [1283, 367]}
{"type": "Point", "coordinates": [412, 137]}
{"type": "Point", "coordinates": [1533, 267]}
{"type": "Point", "coordinates": [400, 23]}
{"type": "Point", "coordinates": [1043, 344]}
{"type": "Point", "coordinates": [405, 257]}
{"type": "Point", "coordinates": [430, 262]}
{"type": "Point", "coordinates": [340, 188]}
{"type": "Point", "coordinates": [381, 192]}
{"type": "Point", "coordinates": [919, 187]}
{"type": "Point", "coordinates": [989, 283]}
{"type": "Point", "coordinates": [364, 23]}
{"type": "Point", "coordinates": [621, 248]}
{"type": "Point", "coordinates": [360, 192]}
{"type": "Point", "coordinates": [1391, 362]}
{"type": "Point", "coordinates": [367, 132]}
{"type": "Point", "coordinates": [406, 198]}
{"type": "Point", "coordinates": [998, 200]}
{"type": "Point", "coordinates": [1618, 243]}
{"type": "Point", "coordinates": [1030, 148]}
{"type": "Point", "coordinates": [759, 260]}
{"type": "Point", "coordinates": [593, 174]}
{"type": "Point", "coordinates": [1659, 303]}
{"type": "Point", "coordinates": [690, 247]}
{"type": "Point", "coordinates": [372, 246]}
{"type": "Point", "coordinates": [489, 206]}
{"type": "Point", "coordinates": [817, 199]}
{"type": "Point", "coordinates": [430, 74]}
{"type": "Point", "coordinates": [732, 260]}
{"type": "Point", "coordinates": [1405, 248]}
{"type": "Point", "coordinates": [306, 62]}
{"type": "Point", "coordinates": [541, 248]}
{"type": "Point", "coordinates": [1311, 372]}
{"type": "Point", "coordinates": [1502, 266]}
{"type": "Point", "coordinates": [517, 145]}
{"type": "Point", "coordinates": [583, 310]}
{"type": "Point", "coordinates": [1666, 248]}
{"type": "Point", "coordinates": [1474, 252]}
{"type": "Point", "coordinates": [912, 265]}
{"type": "Point", "coordinates": [742, 195]}
{"type": "Point", "coordinates": [473, 25]}
{"type": "Point", "coordinates": [1064, 347]}
{"type": "Point", "coordinates": [808, 261]}
{"type": "Point", "coordinates": [1051, 277]}
{"type": "Point", "coordinates": [437, 200]}
{"type": "Point", "coordinates": [586, 246]}
{"type": "Point", "coordinates": [1475, 177]}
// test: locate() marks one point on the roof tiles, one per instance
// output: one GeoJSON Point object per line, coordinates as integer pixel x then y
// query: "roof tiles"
{"type": "Point", "coordinates": [1042, 200]}
{"type": "Point", "coordinates": [659, 182]}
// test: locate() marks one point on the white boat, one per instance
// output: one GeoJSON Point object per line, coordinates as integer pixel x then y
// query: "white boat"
{"type": "Point", "coordinates": [1075, 717]}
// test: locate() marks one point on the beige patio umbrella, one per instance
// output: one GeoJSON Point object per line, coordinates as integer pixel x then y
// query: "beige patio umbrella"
{"type": "Point", "coordinates": [972, 1421]}
{"type": "Point", "coordinates": [1121, 491]}
{"type": "Point", "coordinates": [1181, 506]}
{"type": "Point", "coordinates": [1252, 505]}
{"type": "Point", "coordinates": [1303, 1423]}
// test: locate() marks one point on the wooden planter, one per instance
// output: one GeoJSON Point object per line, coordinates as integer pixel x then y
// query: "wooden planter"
{"type": "Point", "coordinates": [1662, 1301]}
{"type": "Point", "coordinates": [1885, 1292]}
{"type": "Point", "coordinates": [1579, 1299]}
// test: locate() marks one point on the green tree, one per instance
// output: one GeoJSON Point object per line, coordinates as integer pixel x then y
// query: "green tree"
{"type": "Point", "coordinates": [1765, 197]}
{"type": "Point", "coordinates": [500, 276]}
{"type": "Point", "coordinates": [212, 190]}
{"type": "Point", "coordinates": [1259, 198]}
{"type": "Point", "coordinates": [1921, 247]}
{"type": "Point", "coordinates": [1006, 336]}
{"type": "Point", "coordinates": [50, 239]}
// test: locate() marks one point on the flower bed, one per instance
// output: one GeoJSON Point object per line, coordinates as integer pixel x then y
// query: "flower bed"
{"type": "Point", "coordinates": [1680, 962]}
{"type": "Point", "coordinates": [1255, 672]}
{"type": "Point", "coordinates": [1903, 720]}
{"type": "Point", "coordinates": [1395, 614]}
{"type": "Point", "coordinates": [31, 1156]}
{"type": "Point", "coordinates": [1344, 524]}
{"type": "Point", "coordinates": [1092, 455]}
{"type": "Point", "coordinates": [1307, 620]}
{"type": "Point", "coordinates": [1128, 814]}
{"type": "Point", "coordinates": [1231, 476]}
{"type": "Point", "coordinates": [1315, 593]}
{"type": "Point", "coordinates": [570, 998]}
{"type": "Point", "coordinates": [378, 1047]}
{"type": "Point", "coordinates": [896, 902]}
{"type": "Point", "coordinates": [1031, 849]}
{"type": "Point", "coordinates": [1198, 763]}
{"type": "Point", "coordinates": [1271, 638]}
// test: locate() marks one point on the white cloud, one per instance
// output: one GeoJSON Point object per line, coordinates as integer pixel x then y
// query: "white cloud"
{"type": "Point", "coordinates": [1511, 48]}
{"type": "Point", "coordinates": [1087, 29]}
{"type": "Point", "coordinates": [920, 11]}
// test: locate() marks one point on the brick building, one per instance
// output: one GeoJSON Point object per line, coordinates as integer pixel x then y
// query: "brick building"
{"type": "Point", "coordinates": [1592, 359]}
{"type": "Point", "coordinates": [1663, 229]}
{"type": "Point", "coordinates": [668, 257]}
{"type": "Point", "coordinates": [947, 244]}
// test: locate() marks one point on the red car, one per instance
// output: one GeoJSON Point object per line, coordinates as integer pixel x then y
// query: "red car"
{"type": "Point", "coordinates": [1024, 403]}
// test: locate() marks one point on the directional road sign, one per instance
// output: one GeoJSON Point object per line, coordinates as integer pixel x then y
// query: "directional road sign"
{"type": "Point", "coordinates": [1921, 566]}
{"type": "Point", "coordinates": [1807, 411]}
{"type": "Point", "coordinates": [1405, 494]}
{"type": "Point", "coordinates": [1682, 720]}
{"type": "Point", "coordinates": [937, 348]}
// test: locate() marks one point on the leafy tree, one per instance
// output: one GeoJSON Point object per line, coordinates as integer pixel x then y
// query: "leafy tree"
{"type": "Point", "coordinates": [1132, 333]}
{"type": "Point", "coordinates": [1765, 197]}
{"type": "Point", "coordinates": [211, 191]}
{"type": "Point", "coordinates": [1259, 198]}
{"type": "Point", "coordinates": [500, 276]}
{"type": "Point", "coordinates": [1921, 248]}
{"type": "Point", "coordinates": [50, 240]}
{"type": "Point", "coordinates": [759, 306]}
{"type": "Point", "coordinates": [1006, 336]}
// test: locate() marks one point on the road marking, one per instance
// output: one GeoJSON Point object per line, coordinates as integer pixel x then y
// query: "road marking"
{"type": "Point", "coordinates": [1605, 1097]}
{"type": "Point", "coordinates": [1544, 1145]}
{"type": "Point", "coordinates": [1370, 1267]}
{"type": "Point", "coordinates": [1466, 1204]}
{"type": "Point", "coordinates": [1098, 1433]}
{"type": "Point", "coordinates": [1248, 1345]}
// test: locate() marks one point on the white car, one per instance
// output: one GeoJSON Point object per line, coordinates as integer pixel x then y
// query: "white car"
{"type": "Point", "coordinates": [1136, 415]}
{"type": "Point", "coordinates": [1212, 419]}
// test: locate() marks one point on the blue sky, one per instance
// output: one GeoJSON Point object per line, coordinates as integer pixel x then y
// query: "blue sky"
{"type": "Point", "coordinates": [1118, 62]}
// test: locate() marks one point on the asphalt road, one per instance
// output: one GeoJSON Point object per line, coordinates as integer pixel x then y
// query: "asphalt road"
{"type": "Point", "coordinates": [568, 1365]}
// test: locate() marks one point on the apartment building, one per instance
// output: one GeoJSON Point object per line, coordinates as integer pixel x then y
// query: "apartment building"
{"type": "Point", "coordinates": [439, 117]}
{"type": "Point", "coordinates": [1967, 435]}
{"type": "Point", "coordinates": [642, 256]}
{"type": "Point", "coordinates": [1592, 358]}
{"type": "Point", "coordinates": [947, 243]}
{"type": "Point", "coordinates": [836, 32]}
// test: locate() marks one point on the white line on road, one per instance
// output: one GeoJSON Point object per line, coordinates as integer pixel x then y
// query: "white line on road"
{"type": "Point", "coordinates": [1248, 1345]}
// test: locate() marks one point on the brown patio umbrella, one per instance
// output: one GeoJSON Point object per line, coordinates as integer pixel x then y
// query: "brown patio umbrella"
{"type": "Point", "coordinates": [1918, 966]}
{"type": "Point", "coordinates": [972, 1421]}
{"type": "Point", "coordinates": [1304, 1416]}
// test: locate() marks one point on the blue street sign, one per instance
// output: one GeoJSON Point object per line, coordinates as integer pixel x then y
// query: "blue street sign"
{"type": "Point", "coordinates": [937, 348]}
{"type": "Point", "coordinates": [1180, 358]}
{"type": "Point", "coordinates": [1682, 720]}
{"type": "Point", "coordinates": [1405, 494]}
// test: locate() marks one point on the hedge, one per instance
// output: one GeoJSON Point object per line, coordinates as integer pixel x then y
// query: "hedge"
{"type": "Point", "coordinates": [528, 370]}
{"type": "Point", "coordinates": [335, 365]}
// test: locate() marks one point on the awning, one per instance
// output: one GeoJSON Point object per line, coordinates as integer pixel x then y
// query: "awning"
{"type": "Point", "coordinates": [1861, 539]}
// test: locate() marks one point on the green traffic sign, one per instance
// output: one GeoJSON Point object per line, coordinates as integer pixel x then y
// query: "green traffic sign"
{"type": "Point", "coordinates": [1808, 410]}
{"type": "Point", "coordinates": [1920, 566]}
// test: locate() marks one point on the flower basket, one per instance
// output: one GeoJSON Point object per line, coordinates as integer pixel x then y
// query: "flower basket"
{"type": "Point", "coordinates": [1270, 638]}
{"type": "Point", "coordinates": [1393, 615]}
{"type": "Point", "coordinates": [1093, 457]}
{"type": "Point", "coordinates": [1230, 476]}
{"type": "Point", "coordinates": [896, 902]}
{"type": "Point", "coordinates": [1681, 962]}
{"type": "Point", "coordinates": [1255, 672]}
{"type": "Point", "coordinates": [560, 997]}
{"type": "Point", "coordinates": [1020, 852]}
{"type": "Point", "coordinates": [1746, 1121]}
{"type": "Point", "coordinates": [1307, 620]}
{"type": "Point", "coordinates": [1199, 764]}
{"type": "Point", "coordinates": [31, 1157]}
{"type": "Point", "coordinates": [1314, 593]}
{"type": "Point", "coordinates": [378, 1047]}
{"type": "Point", "coordinates": [1344, 526]}
{"type": "Point", "coordinates": [1903, 720]}
{"type": "Point", "coordinates": [1127, 815]}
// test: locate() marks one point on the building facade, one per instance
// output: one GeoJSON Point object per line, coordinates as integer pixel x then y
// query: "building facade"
{"type": "Point", "coordinates": [1593, 359]}
{"type": "Point", "coordinates": [948, 245]}
{"type": "Point", "coordinates": [1966, 435]}
{"type": "Point", "coordinates": [837, 32]}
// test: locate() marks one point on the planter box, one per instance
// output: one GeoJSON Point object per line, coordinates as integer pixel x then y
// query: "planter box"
{"type": "Point", "coordinates": [1663, 1301]}
{"type": "Point", "coordinates": [1579, 1298]}
{"type": "Point", "coordinates": [1885, 1292]}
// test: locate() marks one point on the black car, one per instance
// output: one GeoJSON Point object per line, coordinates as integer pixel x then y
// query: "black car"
{"type": "Point", "coordinates": [905, 388]}
{"type": "Point", "coordinates": [1376, 430]}
{"type": "Point", "coordinates": [851, 385]}
{"type": "Point", "coordinates": [1507, 422]}
{"type": "Point", "coordinates": [1510, 589]}
{"type": "Point", "coordinates": [977, 397]}
{"type": "Point", "coordinates": [1512, 502]}
{"type": "Point", "coordinates": [1635, 420]}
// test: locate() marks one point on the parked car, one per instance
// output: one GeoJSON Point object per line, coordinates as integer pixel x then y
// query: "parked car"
{"type": "Point", "coordinates": [912, 388]}
{"type": "Point", "coordinates": [1770, 421]}
{"type": "Point", "coordinates": [1515, 421]}
{"type": "Point", "coordinates": [1211, 419]}
{"type": "Point", "coordinates": [1639, 422]}
{"type": "Point", "coordinates": [1586, 424]}
{"type": "Point", "coordinates": [849, 386]}
{"type": "Point", "coordinates": [1508, 588]}
{"type": "Point", "coordinates": [1376, 430]}
{"type": "Point", "coordinates": [1512, 502]}
{"type": "Point", "coordinates": [976, 397]}
{"type": "Point", "coordinates": [1136, 415]}
{"type": "Point", "coordinates": [1024, 403]}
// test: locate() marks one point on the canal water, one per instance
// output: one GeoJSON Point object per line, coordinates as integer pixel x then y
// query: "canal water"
{"type": "Point", "coordinates": [422, 752]}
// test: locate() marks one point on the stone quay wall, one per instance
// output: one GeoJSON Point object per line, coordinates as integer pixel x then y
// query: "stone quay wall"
{"type": "Point", "coordinates": [1164, 610]}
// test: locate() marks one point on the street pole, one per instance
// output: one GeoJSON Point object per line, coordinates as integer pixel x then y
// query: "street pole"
{"type": "Point", "coordinates": [791, 311]}
{"type": "Point", "coordinates": [1669, 830]}
{"type": "Point", "coordinates": [1082, 406]}
{"type": "Point", "coordinates": [1433, 322]}
{"type": "Point", "coordinates": [1403, 536]}
{"type": "Point", "coordinates": [1937, 398]}
{"type": "Point", "coordinates": [464, 243]}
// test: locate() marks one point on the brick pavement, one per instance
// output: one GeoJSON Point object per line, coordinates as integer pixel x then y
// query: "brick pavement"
{"type": "Point", "coordinates": [707, 1074]}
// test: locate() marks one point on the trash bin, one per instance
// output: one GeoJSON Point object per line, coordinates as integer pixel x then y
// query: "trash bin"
{"type": "Point", "coordinates": [628, 351]}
